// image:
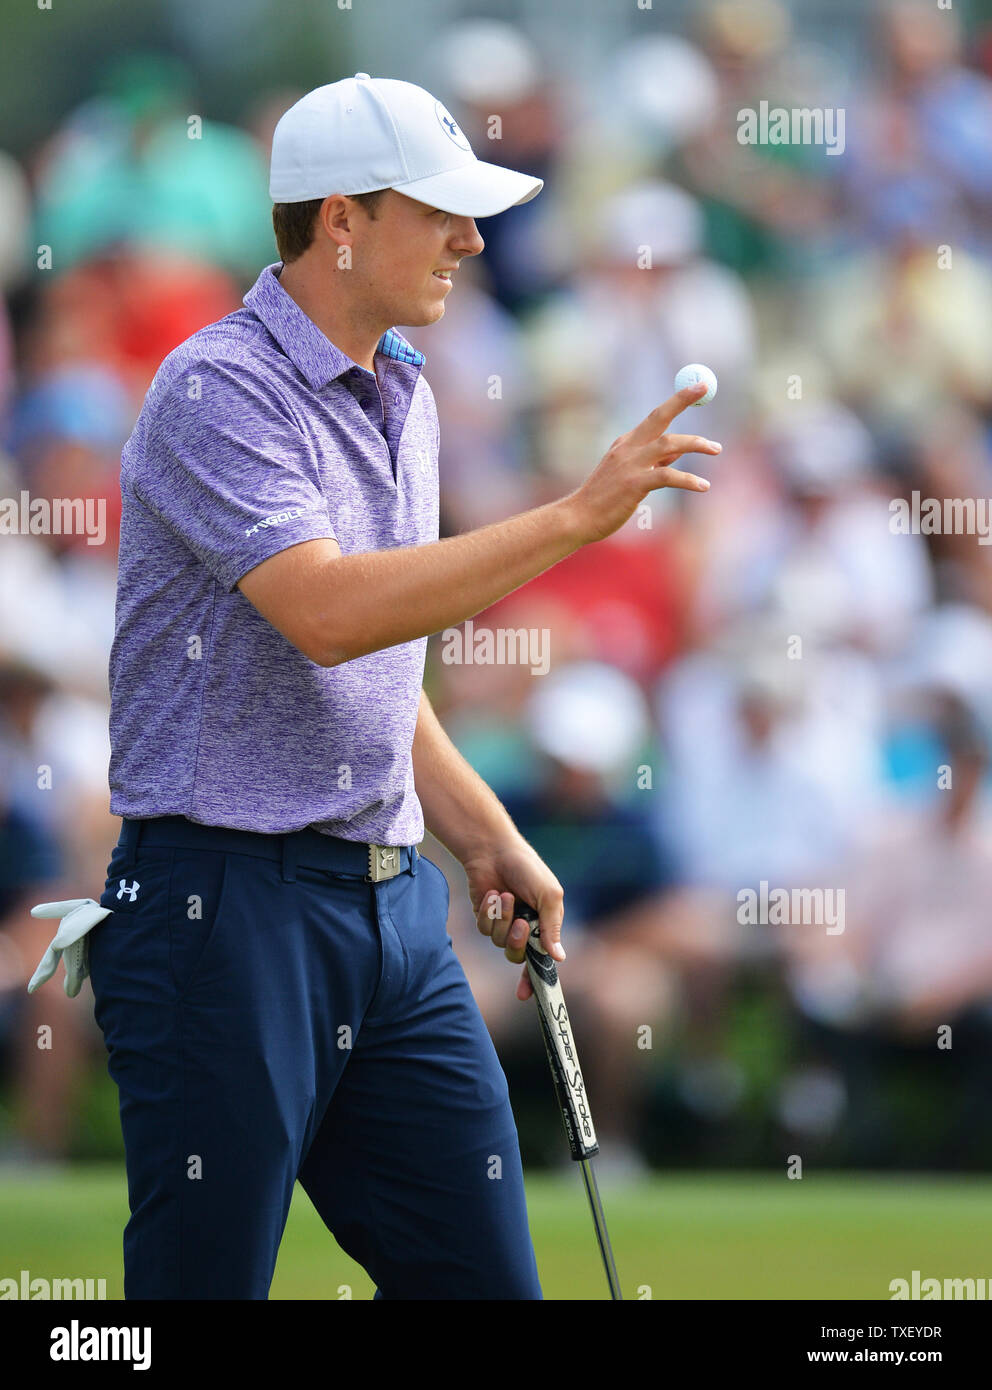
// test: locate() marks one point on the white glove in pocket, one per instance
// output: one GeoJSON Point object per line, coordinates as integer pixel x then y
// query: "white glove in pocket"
{"type": "Point", "coordinates": [79, 916]}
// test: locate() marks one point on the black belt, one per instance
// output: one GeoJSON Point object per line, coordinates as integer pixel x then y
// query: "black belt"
{"type": "Point", "coordinates": [307, 848]}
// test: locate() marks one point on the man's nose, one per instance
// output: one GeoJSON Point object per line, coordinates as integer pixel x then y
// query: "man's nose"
{"type": "Point", "coordinates": [467, 239]}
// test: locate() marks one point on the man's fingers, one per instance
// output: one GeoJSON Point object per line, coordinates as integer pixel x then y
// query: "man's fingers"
{"type": "Point", "coordinates": [497, 921]}
{"type": "Point", "coordinates": [657, 458]}
{"type": "Point", "coordinates": [516, 942]}
{"type": "Point", "coordinates": [524, 987]}
{"type": "Point", "coordinates": [551, 939]}
{"type": "Point", "coordinates": [489, 915]}
{"type": "Point", "coordinates": [662, 416]}
{"type": "Point", "coordinates": [672, 477]}
{"type": "Point", "coordinates": [673, 446]}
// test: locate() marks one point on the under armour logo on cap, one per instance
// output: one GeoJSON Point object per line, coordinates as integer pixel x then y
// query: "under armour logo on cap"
{"type": "Point", "coordinates": [450, 127]}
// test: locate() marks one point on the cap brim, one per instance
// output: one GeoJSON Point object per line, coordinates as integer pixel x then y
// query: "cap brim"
{"type": "Point", "coordinates": [477, 189]}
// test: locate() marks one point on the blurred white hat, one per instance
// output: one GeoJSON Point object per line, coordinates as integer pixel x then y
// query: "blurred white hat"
{"type": "Point", "coordinates": [953, 651]}
{"type": "Point", "coordinates": [824, 450]}
{"type": "Point", "coordinates": [654, 214]}
{"type": "Point", "coordinates": [662, 87]}
{"type": "Point", "coordinates": [588, 715]}
{"type": "Point", "coordinates": [486, 59]}
{"type": "Point", "coordinates": [756, 652]}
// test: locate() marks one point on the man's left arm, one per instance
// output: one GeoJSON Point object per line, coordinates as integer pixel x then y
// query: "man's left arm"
{"type": "Point", "coordinates": [467, 817]}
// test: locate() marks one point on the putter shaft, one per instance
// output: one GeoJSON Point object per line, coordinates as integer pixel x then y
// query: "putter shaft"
{"type": "Point", "coordinates": [563, 1060]}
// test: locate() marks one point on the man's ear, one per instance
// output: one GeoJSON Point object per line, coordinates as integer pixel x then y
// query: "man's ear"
{"type": "Point", "coordinates": [337, 216]}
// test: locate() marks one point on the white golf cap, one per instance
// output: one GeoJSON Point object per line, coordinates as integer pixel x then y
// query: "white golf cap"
{"type": "Point", "coordinates": [364, 133]}
{"type": "Point", "coordinates": [588, 715]}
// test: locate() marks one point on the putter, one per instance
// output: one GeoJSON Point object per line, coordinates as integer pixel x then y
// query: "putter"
{"type": "Point", "coordinates": [567, 1076]}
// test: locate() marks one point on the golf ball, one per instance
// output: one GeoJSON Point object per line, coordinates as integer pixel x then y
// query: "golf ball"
{"type": "Point", "coordinates": [694, 373]}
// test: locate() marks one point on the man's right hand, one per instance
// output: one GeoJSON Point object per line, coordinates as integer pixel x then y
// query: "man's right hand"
{"type": "Point", "coordinates": [638, 463]}
{"type": "Point", "coordinates": [334, 608]}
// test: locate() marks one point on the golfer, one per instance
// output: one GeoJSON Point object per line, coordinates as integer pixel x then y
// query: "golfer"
{"type": "Point", "coordinates": [274, 978]}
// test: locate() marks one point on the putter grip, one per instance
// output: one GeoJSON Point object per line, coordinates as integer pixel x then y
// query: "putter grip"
{"type": "Point", "coordinates": [558, 1040]}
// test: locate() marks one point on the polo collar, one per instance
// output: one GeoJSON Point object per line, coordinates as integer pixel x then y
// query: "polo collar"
{"type": "Point", "coordinates": [310, 350]}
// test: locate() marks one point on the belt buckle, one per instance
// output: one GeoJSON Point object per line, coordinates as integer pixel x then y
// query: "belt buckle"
{"type": "Point", "coordinates": [384, 862]}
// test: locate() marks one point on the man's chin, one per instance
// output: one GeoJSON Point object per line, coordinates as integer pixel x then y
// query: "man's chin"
{"type": "Point", "coordinates": [422, 315]}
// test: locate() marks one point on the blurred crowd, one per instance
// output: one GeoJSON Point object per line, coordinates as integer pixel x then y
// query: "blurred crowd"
{"type": "Point", "coordinates": [771, 684]}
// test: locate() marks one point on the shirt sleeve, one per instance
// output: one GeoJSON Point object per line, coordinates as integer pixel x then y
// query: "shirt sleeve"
{"type": "Point", "coordinates": [227, 466]}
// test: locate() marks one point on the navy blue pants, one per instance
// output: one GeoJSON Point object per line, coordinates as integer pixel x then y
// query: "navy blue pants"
{"type": "Point", "coordinates": [268, 1021]}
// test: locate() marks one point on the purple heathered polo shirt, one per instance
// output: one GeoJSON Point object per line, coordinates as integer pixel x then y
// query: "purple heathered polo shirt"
{"type": "Point", "coordinates": [258, 433]}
